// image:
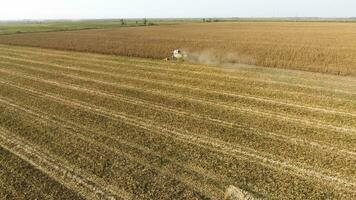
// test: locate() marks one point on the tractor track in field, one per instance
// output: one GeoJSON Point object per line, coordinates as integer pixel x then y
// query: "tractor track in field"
{"type": "Point", "coordinates": [145, 67]}
{"type": "Point", "coordinates": [210, 192]}
{"type": "Point", "coordinates": [60, 54]}
{"type": "Point", "coordinates": [57, 170]}
{"type": "Point", "coordinates": [15, 169]}
{"type": "Point", "coordinates": [329, 149]}
{"type": "Point", "coordinates": [204, 142]}
{"type": "Point", "coordinates": [69, 126]}
{"type": "Point", "coordinates": [183, 78]}
{"type": "Point", "coordinates": [193, 68]}
{"type": "Point", "coordinates": [183, 86]}
{"type": "Point", "coordinates": [135, 128]}
{"type": "Point", "coordinates": [123, 66]}
{"type": "Point", "coordinates": [272, 115]}
{"type": "Point", "coordinates": [178, 112]}
{"type": "Point", "coordinates": [223, 92]}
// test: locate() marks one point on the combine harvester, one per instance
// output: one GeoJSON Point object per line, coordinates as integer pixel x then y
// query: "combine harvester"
{"type": "Point", "coordinates": [177, 55]}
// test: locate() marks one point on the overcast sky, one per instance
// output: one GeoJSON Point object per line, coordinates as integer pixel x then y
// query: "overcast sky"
{"type": "Point", "coordinates": [81, 9]}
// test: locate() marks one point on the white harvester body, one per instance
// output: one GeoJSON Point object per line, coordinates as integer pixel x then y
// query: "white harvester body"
{"type": "Point", "coordinates": [178, 55]}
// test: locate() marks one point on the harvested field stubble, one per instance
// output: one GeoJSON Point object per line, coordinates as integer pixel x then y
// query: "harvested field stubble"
{"type": "Point", "coordinates": [318, 47]}
{"type": "Point", "coordinates": [160, 133]}
{"type": "Point", "coordinates": [20, 180]}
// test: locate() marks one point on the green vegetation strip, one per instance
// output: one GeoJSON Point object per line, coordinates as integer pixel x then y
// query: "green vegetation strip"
{"type": "Point", "coordinates": [18, 27]}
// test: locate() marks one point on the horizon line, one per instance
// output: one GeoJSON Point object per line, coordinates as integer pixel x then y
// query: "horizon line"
{"type": "Point", "coordinates": [175, 18]}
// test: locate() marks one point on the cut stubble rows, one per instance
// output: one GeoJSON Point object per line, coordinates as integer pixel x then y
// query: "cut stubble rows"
{"type": "Point", "coordinates": [179, 136]}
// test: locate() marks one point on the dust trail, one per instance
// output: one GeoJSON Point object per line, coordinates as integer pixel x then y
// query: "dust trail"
{"type": "Point", "coordinates": [213, 57]}
{"type": "Point", "coordinates": [230, 61]}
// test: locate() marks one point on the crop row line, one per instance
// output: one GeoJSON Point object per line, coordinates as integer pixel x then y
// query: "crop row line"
{"type": "Point", "coordinates": [56, 169]}
{"type": "Point", "coordinates": [179, 112]}
{"type": "Point", "coordinates": [175, 70]}
{"type": "Point", "coordinates": [328, 149]}
{"type": "Point", "coordinates": [5, 169]}
{"type": "Point", "coordinates": [312, 123]}
{"type": "Point", "coordinates": [16, 170]}
{"type": "Point", "coordinates": [127, 118]}
{"type": "Point", "coordinates": [183, 86]}
{"type": "Point", "coordinates": [79, 130]}
{"type": "Point", "coordinates": [225, 86]}
{"type": "Point", "coordinates": [185, 77]}
{"type": "Point", "coordinates": [142, 70]}
{"type": "Point", "coordinates": [127, 67]}
{"type": "Point", "coordinates": [198, 140]}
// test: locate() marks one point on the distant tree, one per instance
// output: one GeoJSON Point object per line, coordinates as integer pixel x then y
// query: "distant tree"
{"type": "Point", "coordinates": [145, 21]}
{"type": "Point", "coordinates": [122, 22]}
{"type": "Point", "coordinates": [204, 20]}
